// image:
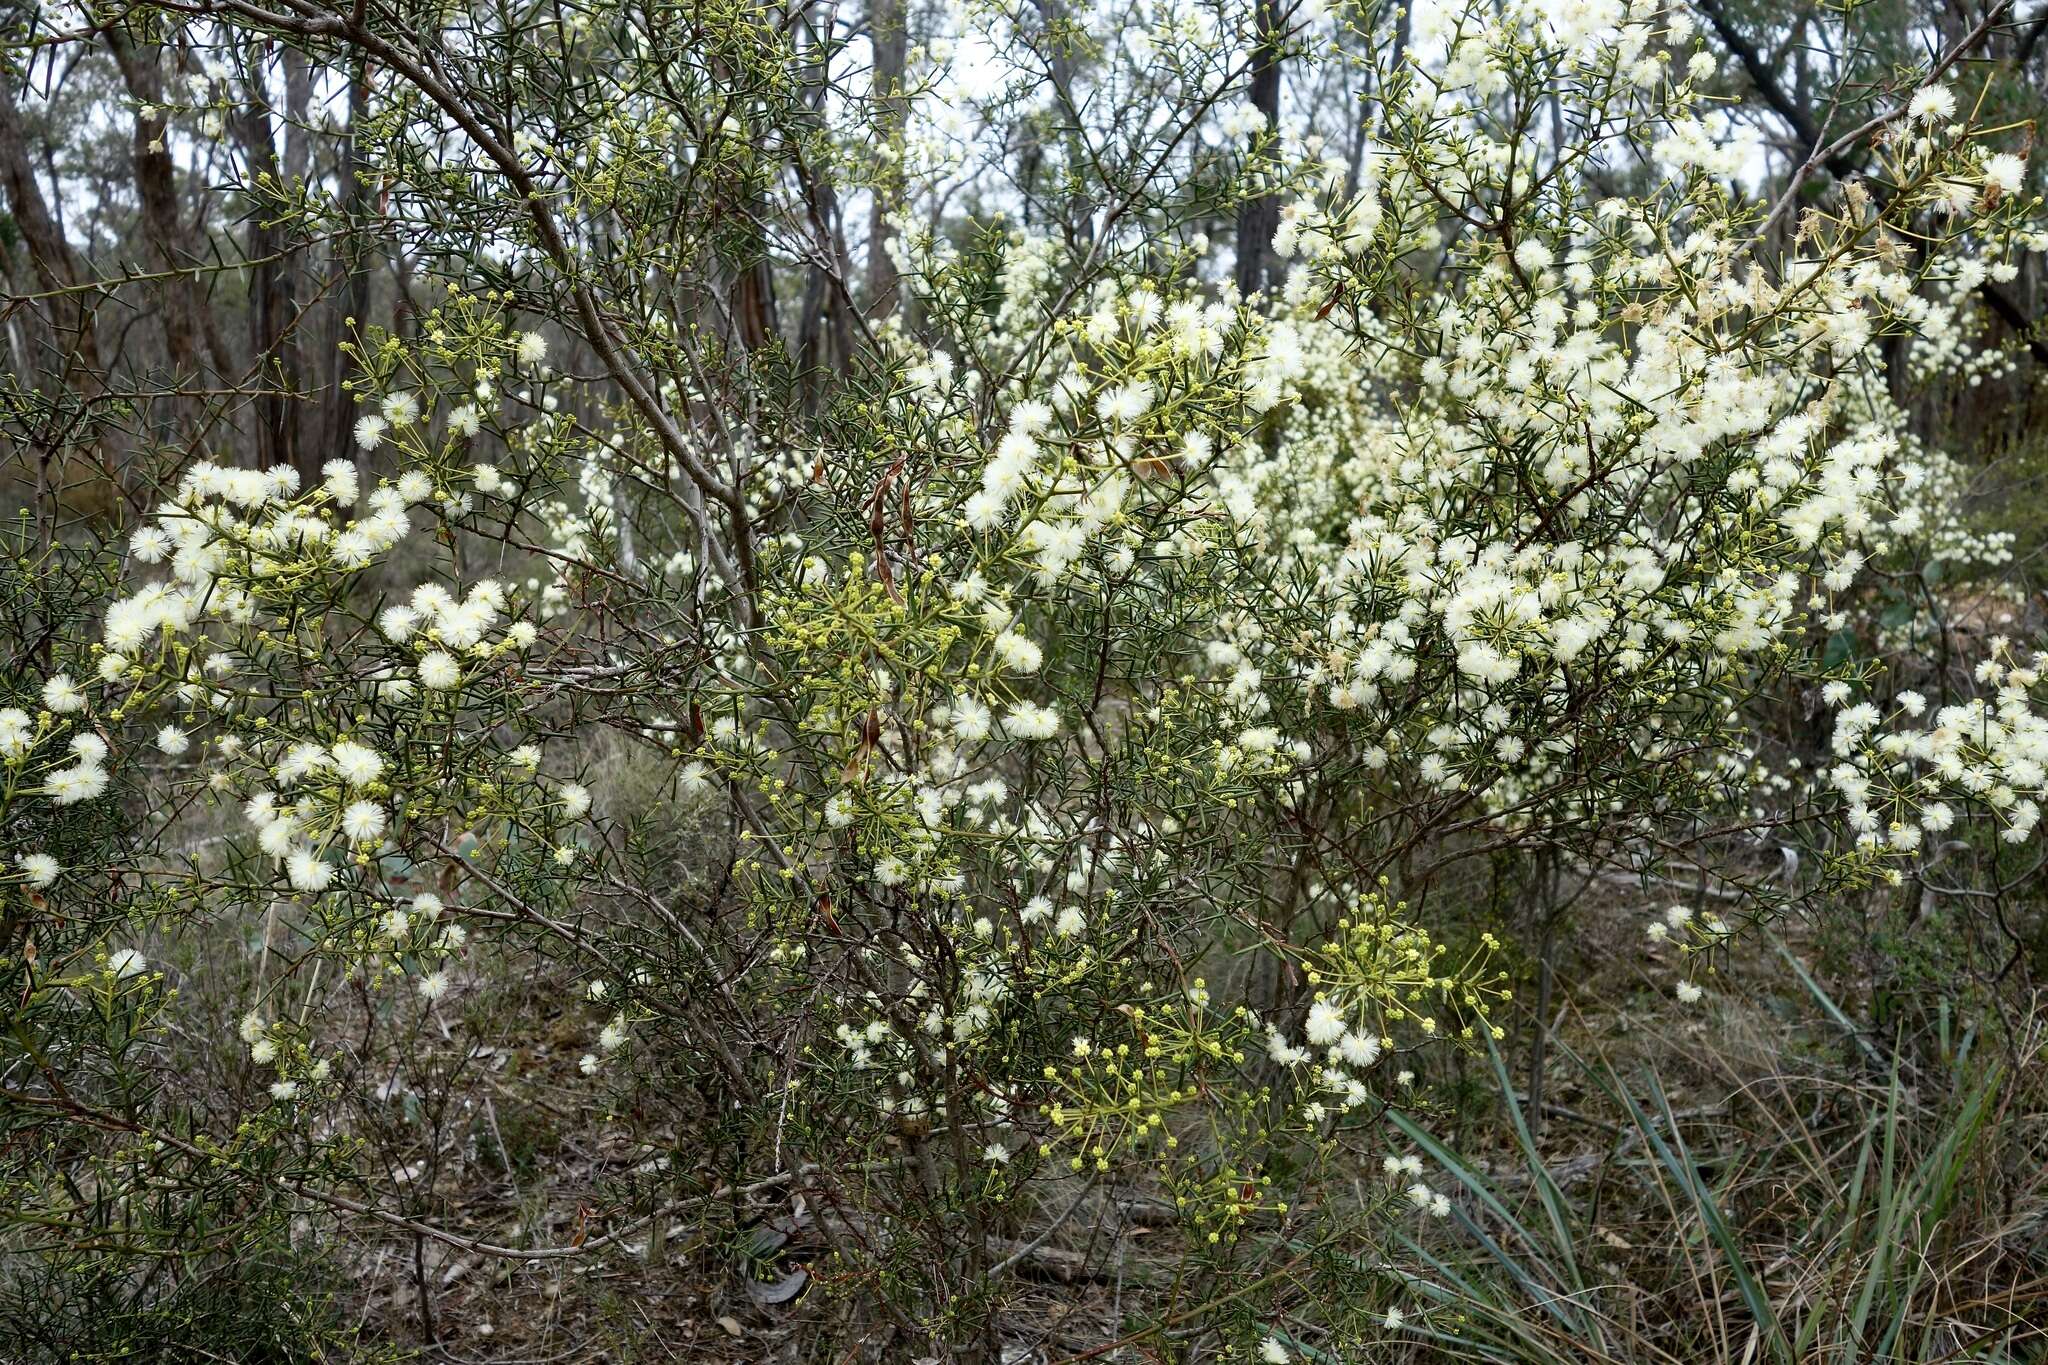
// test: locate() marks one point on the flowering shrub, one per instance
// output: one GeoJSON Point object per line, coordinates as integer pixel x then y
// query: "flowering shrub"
{"type": "Point", "coordinates": [1065, 716]}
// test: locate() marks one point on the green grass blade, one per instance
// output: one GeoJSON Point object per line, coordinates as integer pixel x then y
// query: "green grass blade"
{"type": "Point", "coordinates": [1678, 1162]}
{"type": "Point", "coordinates": [1542, 1282]}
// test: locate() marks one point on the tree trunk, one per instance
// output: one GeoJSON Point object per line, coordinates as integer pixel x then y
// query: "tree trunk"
{"type": "Point", "coordinates": [56, 265]}
{"type": "Point", "coordinates": [353, 295]}
{"type": "Point", "coordinates": [70, 375]}
{"type": "Point", "coordinates": [273, 355]}
{"type": "Point", "coordinates": [156, 190]}
{"type": "Point", "coordinates": [890, 36]}
{"type": "Point", "coordinates": [298, 168]}
{"type": "Point", "coordinates": [1258, 218]}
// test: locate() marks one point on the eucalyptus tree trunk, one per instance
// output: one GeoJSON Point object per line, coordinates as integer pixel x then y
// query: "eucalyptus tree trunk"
{"type": "Point", "coordinates": [56, 269]}
{"type": "Point", "coordinates": [350, 269]}
{"type": "Point", "coordinates": [72, 468]}
{"type": "Point", "coordinates": [889, 33]}
{"type": "Point", "coordinates": [163, 227]}
{"type": "Point", "coordinates": [1258, 218]}
{"type": "Point", "coordinates": [273, 369]}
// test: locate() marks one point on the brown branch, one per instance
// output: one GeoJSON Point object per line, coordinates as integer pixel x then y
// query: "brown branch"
{"type": "Point", "coordinates": [1835, 155]}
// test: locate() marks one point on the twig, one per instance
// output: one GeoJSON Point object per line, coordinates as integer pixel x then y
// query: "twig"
{"type": "Point", "coordinates": [1822, 156]}
{"type": "Point", "coordinates": [1042, 1238]}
